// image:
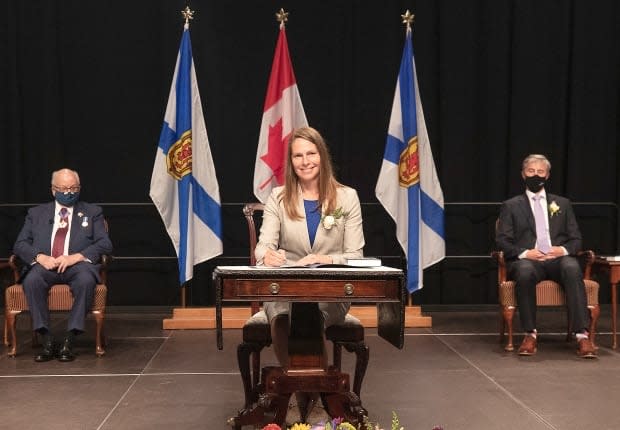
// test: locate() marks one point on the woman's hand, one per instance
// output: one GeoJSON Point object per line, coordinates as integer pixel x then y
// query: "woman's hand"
{"type": "Point", "coordinates": [274, 258]}
{"type": "Point", "coordinates": [315, 259]}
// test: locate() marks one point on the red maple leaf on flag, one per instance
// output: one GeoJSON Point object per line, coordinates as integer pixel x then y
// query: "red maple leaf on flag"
{"type": "Point", "coordinates": [275, 155]}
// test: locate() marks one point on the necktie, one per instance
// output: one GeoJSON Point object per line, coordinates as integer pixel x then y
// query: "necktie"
{"type": "Point", "coordinates": [58, 247]}
{"type": "Point", "coordinates": [542, 235]}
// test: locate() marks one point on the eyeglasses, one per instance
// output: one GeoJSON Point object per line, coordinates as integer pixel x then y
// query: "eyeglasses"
{"type": "Point", "coordinates": [65, 190]}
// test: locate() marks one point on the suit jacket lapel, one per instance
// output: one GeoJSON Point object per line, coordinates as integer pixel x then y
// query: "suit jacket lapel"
{"type": "Point", "coordinates": [49, 229]}
{"type": "Point", "coordinates": [319, 237]}
{"type": "Point", "coordinates": [553, 220]}
{"type": "Point", "coordinates": [526, 211]}
{"type": "Point", "coordinates": [75, 225]}
{"type": "Point", "coordinates": [302, 231]}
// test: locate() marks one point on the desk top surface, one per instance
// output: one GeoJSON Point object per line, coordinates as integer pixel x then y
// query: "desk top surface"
{"type": "Point", "coordinates": [321, 271]}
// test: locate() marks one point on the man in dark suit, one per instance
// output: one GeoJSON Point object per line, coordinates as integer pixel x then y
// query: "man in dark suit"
{"type": "Point", "coordinates": [62, 242]}
{"type": "Point", "coordinates": [539, 236]}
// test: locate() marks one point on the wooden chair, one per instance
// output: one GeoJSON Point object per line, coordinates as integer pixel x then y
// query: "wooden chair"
{"type": "Point", "coordinates": [548, 293]}
{"type": "Point", "coordinates": [257, 333]}
{"type": "Point", "coordinates": [59, 299]}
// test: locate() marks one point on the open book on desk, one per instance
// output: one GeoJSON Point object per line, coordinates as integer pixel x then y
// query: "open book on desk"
{"type": "Point", "coordinates": [360, 262]}
{"type": "Point", "coordinates": [364, 262]}
{"type": "Point", "coordinates": [322, 266]}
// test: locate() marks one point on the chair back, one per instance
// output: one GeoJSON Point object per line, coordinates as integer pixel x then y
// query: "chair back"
{"type": "Point", "coordinates": [249, 210]}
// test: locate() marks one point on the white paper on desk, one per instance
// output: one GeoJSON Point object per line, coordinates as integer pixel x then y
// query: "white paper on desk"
{"type": "Point", "coordinates": [611, 257]}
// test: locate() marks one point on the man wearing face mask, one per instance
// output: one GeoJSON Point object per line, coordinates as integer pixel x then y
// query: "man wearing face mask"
{"type": "Point", "coordinates": [539, 235]}
{"type": "Point", "coordinates": [63, 242]}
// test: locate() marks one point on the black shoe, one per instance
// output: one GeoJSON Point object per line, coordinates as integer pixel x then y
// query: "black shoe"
{"type": "Point", "coordinates": [48, 352]}
{"type": "Point", "coordinates": [66, 351]}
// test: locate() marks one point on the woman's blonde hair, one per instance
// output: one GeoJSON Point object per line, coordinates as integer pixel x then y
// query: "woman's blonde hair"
{"type": "Point", "coordinates": [327, 181]}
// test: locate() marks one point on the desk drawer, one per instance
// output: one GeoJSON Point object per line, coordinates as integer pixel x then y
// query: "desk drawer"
{"type": "Point", "coordinates": [301, 289]}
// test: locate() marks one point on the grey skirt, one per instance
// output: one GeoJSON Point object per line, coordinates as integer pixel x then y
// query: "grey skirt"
{"type": "Point", "coordinates": [333, 313]}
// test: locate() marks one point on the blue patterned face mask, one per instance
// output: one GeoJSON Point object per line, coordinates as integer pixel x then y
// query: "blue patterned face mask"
{"type": "Point", "coordinates": [67, 199]}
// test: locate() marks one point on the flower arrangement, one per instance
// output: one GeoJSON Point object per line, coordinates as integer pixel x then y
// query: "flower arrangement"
{"type": "Point", "coordinates": [554, 208]}
{"type": "Point", "coordinates": [329, 220]}
{"type": "Point", "coordinates": [340, 424]}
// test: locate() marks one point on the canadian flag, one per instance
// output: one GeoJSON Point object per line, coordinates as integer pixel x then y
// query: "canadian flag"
{"type": "Point", "coordinates": [283, 113]}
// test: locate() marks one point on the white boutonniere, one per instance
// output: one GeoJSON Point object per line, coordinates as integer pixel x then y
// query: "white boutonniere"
{"type": "Point", "coordinates": [554, 208]}
{"type": "Point", "coordinates": [329, 220]}
{"type": "Point", "coordinates": [80, 214]}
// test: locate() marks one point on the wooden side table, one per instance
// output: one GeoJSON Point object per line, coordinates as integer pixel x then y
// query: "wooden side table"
{"type": "Point", "coordinates": [613, 268]}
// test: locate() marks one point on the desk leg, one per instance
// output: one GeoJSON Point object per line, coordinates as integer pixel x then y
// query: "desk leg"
{"type": "Point", "coordinates": [614, 311]}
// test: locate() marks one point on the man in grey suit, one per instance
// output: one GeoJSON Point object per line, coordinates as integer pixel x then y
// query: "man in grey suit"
{"type": "Point", "coordinates": [539, 235]}
{"type": "Point", "coordinates": [62, 243]}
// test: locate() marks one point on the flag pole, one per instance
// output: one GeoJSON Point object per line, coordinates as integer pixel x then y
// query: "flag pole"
{"type": "Point", "coordinates": [188, 15]}
{"type": "Point", "coordinates": [407, 19]}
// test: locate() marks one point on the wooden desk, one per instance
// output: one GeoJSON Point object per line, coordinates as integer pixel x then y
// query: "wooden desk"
{"type": "Point", "coordinates": [304, 287]}
{"type": "Point", "coordinates": [613, 268]}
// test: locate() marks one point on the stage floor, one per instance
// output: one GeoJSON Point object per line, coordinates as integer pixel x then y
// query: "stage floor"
{"type": "Point", "coordinates": [454, 375]}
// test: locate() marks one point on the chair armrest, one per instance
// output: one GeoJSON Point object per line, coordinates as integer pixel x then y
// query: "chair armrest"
{"type": "Point", "coordinates": [587, 257]}
{"type": "Point", "coordinates": [501, 266]}
{"type": "Point", "coordinates": [16, 265]}
{"type": "Point", "coordinates": [103, 270]}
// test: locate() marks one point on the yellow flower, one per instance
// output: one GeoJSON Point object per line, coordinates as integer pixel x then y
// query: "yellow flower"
{"type": "Point", "coordinates": [301, 427]}
{"type": "Point", "coordinates": [554, 208]}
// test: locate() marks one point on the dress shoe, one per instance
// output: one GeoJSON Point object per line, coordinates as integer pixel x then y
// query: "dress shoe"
{"type": "Point", "coordinates": [292, 416]}
{"type": "Point", "coordinates": [48, 352]}
{"type": "Point", "coordinates": [306, 403]}
{"type": "Point", "coordinates": [318, 416]}
{"type": "Point", "coordinates": [585, 349]}
{"type": "Point", "coordinates": [66, 351]}
{"type": "Point", "coordinates": [528, 346]}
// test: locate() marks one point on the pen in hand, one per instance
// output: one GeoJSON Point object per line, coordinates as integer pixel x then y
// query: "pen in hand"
{"type": "Point", "coordinates": [275, 258]}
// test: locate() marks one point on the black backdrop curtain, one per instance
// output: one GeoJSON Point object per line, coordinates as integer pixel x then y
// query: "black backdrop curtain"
{"type": "Point", "coordinates": [85, 84]}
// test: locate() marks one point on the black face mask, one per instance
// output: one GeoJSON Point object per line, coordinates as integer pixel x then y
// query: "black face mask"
{"type": "Point", "coordinates": [535, 183]}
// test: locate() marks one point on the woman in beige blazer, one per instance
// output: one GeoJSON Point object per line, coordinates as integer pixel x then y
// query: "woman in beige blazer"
{"type": "Point", "coordinates": [312, 219]}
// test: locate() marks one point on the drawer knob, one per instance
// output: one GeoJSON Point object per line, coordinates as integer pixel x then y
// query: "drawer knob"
{"type": "Point", "coordinates": [348, 289]}
{"type": "Point", "coordinates": [274, 288]}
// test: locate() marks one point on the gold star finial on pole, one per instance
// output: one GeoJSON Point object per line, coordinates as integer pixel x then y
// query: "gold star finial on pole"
{"type": "Point", "coordinates": [188, 14]}
{"type": "Point", "coordinates": [407, 18]}
{"type": "Point", "coordinates": [282, 16]}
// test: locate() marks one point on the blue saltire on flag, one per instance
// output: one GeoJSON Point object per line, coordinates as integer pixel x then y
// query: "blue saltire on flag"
{"type": "Point", "coordinates": [408, 187]}
{"type": "Point", "coordinates": [184, 185]}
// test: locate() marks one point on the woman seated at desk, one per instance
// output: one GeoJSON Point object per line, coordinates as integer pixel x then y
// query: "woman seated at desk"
{"type": "Point", "coordinates": [311, 219]}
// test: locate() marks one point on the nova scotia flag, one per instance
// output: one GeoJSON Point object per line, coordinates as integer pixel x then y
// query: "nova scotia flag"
{"type": "Point", "coordinates": [408, 187]}
{"type": "Point", "coordinates": [184, 186]}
